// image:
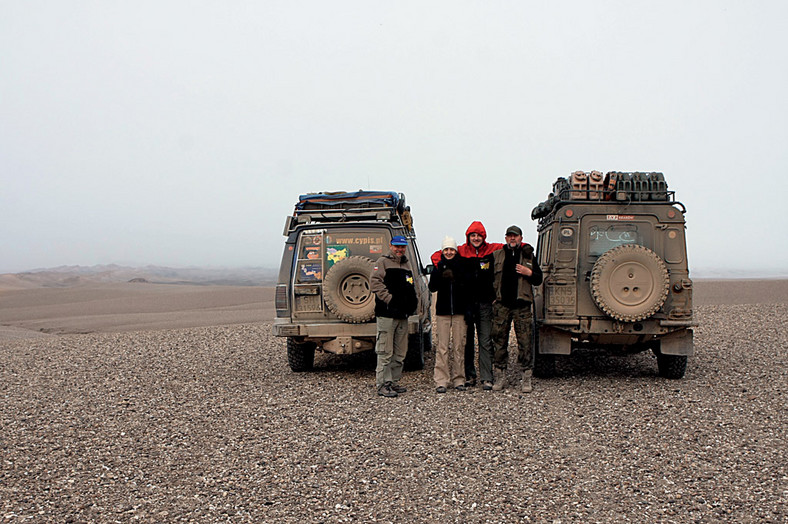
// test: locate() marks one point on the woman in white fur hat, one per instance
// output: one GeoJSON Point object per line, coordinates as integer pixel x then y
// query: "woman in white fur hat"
{"type": "Point", "coordinates": [449, 280]}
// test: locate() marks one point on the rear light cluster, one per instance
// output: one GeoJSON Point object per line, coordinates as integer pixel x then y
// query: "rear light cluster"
{"type": "Point", "coordinates": [280, 300]}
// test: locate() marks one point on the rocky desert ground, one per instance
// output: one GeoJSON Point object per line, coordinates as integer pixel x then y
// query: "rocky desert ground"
{"type": "Point", "coordinates": [140, 402]}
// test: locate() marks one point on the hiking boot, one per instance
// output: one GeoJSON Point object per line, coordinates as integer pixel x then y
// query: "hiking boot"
{"type": "Point", "coordinates": [487, 385]}
{"type": "Point", "coordinates": [460, 387]}
{"type": "Point", "coordinates": [440, 389]}
{"type": "Point", "coordinates": [399, 389]}
{"type": "Point", "coordinates": [526, 383]}
{"type": "Point", "coordinates": [500, 379]}
{"type": "Point", "coordinates": [470, 383]}
{"type": "Point", "coordinates": [386, 391]}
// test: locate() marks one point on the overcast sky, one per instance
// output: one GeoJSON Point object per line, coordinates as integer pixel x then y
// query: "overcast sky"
{"type": "Point", "coordinates": [181, 133]}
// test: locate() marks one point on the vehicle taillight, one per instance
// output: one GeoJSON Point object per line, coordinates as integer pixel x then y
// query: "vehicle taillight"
{"type": "Point", "coordinates": [280, 300]}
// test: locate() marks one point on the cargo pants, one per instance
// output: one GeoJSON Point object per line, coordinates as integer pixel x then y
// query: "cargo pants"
{"type": "Point", "coordinates": [502, 322]}
{"type": "Point", "coordinates": [450, 354]}
{"type": "Point", "coordinates": [391, 348]}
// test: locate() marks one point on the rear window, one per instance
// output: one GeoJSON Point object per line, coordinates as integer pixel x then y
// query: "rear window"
{"type": "Point", "coordinates": [320, 249]}
{"type": "Point", "coordinates": [606, 236]}
{"type": "Point", "coordinates": [368, 244]}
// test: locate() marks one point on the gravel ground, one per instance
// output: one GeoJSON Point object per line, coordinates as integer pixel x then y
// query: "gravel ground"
{"type": "Point", "coordinates": [209, 425]}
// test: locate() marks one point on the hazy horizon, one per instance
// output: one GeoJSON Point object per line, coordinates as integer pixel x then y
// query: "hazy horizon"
{"type": "Point", "coordinates": [271, 271]}
{"type": "Point", "coordinates": [181, 133]}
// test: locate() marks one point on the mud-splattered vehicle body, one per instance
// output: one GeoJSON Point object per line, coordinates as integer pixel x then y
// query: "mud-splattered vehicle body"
{"type": "Point", "coordinates": [613, 251]}
{"type": "Point", "coordinates": [323, 297]}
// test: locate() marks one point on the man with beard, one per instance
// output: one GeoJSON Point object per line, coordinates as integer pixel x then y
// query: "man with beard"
{"type": "Point", "coordinates": [516, 271]}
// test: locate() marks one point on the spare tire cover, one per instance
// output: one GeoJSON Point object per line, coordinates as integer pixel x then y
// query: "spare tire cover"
{"type": "Point", "coordinates": [629, 283]}
{"type": "Point", "coordinates": [347, 292]}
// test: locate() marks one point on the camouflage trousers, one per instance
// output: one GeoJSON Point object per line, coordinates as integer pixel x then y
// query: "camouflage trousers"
{"type": "Point", "coordinates": [501, 325]}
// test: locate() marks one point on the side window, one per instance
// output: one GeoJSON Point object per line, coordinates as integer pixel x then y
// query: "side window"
{"type": "Point", "coordinates": [310, 253]}
{"type": "Point", "coordinates": [544, 247]}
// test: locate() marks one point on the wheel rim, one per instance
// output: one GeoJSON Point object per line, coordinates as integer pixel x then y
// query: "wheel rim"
{"type": "Point", "coordinates": [631, 284]}
{"type": "Point", "coordinates": [354, 289]}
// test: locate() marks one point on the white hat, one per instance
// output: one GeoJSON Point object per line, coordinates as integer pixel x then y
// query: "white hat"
{"type": "Point", "coordinates": [449, 242]}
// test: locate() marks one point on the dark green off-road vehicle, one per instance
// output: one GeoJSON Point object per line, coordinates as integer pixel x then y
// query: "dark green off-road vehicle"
{"type": "Point", "coordinates": [613, 252]}
{"type": "Point", "coordinates": [323, 297]}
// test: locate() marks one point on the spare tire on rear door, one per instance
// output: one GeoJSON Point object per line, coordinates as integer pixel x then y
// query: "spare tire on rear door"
{"type": "Point", "coordinates": [629, 283]}
{"type": "Point", "coordinates": [347, 292]}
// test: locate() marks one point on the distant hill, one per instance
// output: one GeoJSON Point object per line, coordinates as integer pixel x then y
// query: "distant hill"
{"type": "Point", "coordinates": [70, 276]}
{"type": "Point", "coordinates": [733, 274]}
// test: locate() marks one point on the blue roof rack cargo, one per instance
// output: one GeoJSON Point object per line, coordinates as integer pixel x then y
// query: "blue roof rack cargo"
{"type": "Point", "coordinates": [342, 206]}
{"type": "Point", "coordinates": [336, 199]}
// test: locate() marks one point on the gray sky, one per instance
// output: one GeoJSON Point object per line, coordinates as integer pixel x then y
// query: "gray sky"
{"type": "Point", "coordinates": [181, 133]}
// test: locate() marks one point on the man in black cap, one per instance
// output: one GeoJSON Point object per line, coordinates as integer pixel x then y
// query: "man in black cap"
{"type": "Point", "coordinates": [516, 270]}
{"type": "Point", "coordinates": [395, 300]}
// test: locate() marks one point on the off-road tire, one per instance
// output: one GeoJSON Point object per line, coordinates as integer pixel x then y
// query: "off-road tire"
{"type": "Point", "coordinates": [300, 355]}
{"type": "Point", "coordinates": [671, 366]}
{"type": "Point", "coordinates": [629, 283]}
{"type": "Point", "coordinates": [347, 292]}
{"type": "Point", "coordinates": [414, 359]}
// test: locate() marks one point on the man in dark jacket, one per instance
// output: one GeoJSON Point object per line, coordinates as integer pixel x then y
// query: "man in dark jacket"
{"type": "Point", "coordinates": [516, 270]}
{"type": "Point", "coordinates": [395, 300]}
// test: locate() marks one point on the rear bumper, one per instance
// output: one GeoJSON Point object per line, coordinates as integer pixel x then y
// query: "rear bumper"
{"type": "Point", "coordinates": [326, 330]}
{"type": "Point", "coordinates": [323, 330]}
{"type": "Point", "coordinates": [596, 326]}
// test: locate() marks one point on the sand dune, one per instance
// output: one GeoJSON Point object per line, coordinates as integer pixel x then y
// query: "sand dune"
{"type": "Point", "coordinates": [130, 307]}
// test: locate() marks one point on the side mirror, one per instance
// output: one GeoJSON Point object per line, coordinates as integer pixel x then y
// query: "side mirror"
{"type": "Point", "coordinates": [429, 269]}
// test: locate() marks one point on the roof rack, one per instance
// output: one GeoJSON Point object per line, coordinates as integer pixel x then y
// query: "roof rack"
{"type": "Point", "coordinates": [613, 187]}
{"type": "Point", "coordinates": [343, 199]}
{"type": "Point", "coordinates": [341, 206]}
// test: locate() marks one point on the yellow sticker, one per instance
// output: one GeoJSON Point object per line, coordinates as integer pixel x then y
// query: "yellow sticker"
{"type": "Point", "coordinates": [409, 279]}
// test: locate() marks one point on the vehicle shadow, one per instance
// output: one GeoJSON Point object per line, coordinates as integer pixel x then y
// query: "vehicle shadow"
{"type": "Point", "coordinates": [589, 362]}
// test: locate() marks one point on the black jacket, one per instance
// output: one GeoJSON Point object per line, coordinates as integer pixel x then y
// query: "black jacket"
{"type": "Point", "coordinates": [450, 280]}
{"type": "Point", "coordinates": [395, 291]}
{"type": "Point", "coordinates": [511, 288]}
{"type": "Point", "coordinates": [481, 275]}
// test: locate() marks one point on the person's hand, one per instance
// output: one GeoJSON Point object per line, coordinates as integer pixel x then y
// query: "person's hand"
{"type": "Point", "coordinates": [523, 270]}
{"type": "Point", "coordinates": [448, 274]}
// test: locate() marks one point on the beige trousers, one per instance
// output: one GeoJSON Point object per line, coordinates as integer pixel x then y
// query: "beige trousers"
{"type": "Point", "coordinates": [450, 363]}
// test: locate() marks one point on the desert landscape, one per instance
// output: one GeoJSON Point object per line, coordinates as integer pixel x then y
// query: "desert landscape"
{"type": "Point", "coordinates": [172, 402]}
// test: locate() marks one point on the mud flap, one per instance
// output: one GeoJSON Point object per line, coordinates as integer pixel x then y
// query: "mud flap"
{"type": "Point", "coordinates": [677, 343]}
{"type": "Point", "coordinates": [554, 342]}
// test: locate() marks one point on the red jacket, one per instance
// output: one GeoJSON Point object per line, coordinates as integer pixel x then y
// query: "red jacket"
{"type": "Point", "coordinates": [467, 250]}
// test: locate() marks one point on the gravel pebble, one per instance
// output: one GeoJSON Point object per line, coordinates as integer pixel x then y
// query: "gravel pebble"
{"type": "Point", "coordinates": [210, 425]}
